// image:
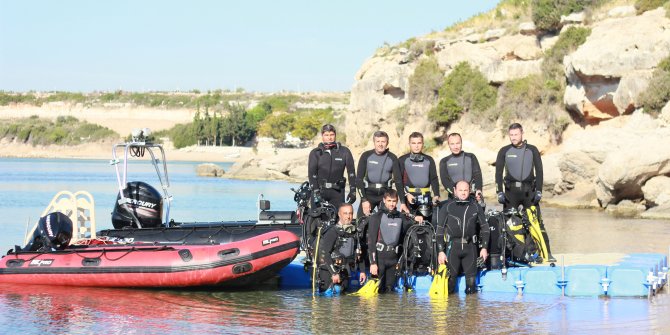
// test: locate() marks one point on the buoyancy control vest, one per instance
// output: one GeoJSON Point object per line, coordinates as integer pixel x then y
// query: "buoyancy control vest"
{"type": "Point", "coordinates": [379, 168]}
{"type": "Point", "coordinates": [390, 228]}
{"type": "Point", "coordinates": [519, 163]}
{"type": "Point", "coordinates": [459, 167]}
{"type": "Point", "coordinates": [417, 171]}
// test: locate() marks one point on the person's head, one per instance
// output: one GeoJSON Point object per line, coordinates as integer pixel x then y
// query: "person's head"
{"type": "Point", "coordinates": [391, 199]}
{"type": "Point", "coordinates": [462, 190]}
{"type": "Point", "coordinates": [415, 142]}
{"type": "Point", "coordinates": [381, 141]}
{"type": "Point", "coordinates": [515, 133]}
{"type": "Point", "coordinates": [346, 214]}
{"type": "Point", "coordinates": [328, 133]}
{"type": "Point", "coordinates": [455, 143]}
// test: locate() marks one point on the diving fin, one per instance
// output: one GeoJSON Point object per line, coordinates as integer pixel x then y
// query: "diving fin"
{"type": "Point", "coordinates": [440, 286]}
{"type": "Point", "coordinates": [370, 289]}
{"type": "Point", "coordinates": [537, 233]}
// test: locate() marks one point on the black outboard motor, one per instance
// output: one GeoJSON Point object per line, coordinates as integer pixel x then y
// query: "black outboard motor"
{"type": "Point", "coordinates": [142, 208]}
{"type": "Point", "coordinates": [53, 232]}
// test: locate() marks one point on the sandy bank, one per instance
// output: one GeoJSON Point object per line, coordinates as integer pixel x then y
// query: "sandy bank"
{"type": "Point", "coordinates": [104, 151]}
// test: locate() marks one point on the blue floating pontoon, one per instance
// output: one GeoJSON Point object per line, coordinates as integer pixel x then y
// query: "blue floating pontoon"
{"type": "Point", "coordinates": [634, 275]}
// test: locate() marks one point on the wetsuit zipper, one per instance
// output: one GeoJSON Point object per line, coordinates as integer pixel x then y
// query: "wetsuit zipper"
{"type": "Point", "coordinates": [464, 222]}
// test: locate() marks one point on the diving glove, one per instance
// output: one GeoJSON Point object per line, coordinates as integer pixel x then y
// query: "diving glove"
{"type": "Point", "coordinates": [351, 197]}
{"type": "Point", "coordinates": [537, 197]}
{"type": "Point", "coordinates": [501, 198]}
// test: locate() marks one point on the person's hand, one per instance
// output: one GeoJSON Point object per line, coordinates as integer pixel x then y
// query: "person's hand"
{"type": "Point", "coordinates": [501, 198]}
{"type": "Point", "coordinates": [410, 197]}
{"type": "Point", "coordinates": [366, 207]}
{"type": "Point", "coordinates": [362, 277]}
{"type": "Point", "coordinates": [537, 197]}
{"type": "Point", "coordinates": [335, 278]}
{"type": "Point", "coordinates": [442, 258]}
{"type": "Point", "coordinates": [484, 253]}
{"type": "Point", "coordinates": [418, 219]}
{"type": "Point", "coordinates": [404, 208]}
{"type": "Point", "coordinates": [436, 199]}
{"type": "Point", "coordinates": [351, 197]}
{"type": "Point", "coordinates": [374, 269]}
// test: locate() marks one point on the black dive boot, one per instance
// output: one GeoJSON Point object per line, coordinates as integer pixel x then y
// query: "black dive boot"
{"type": "Point", "coordinates": [551, 258]}
{"type": "Point", "coordinates": [471, 285]}
{"type": "Point", "coordinates": [452, 284]}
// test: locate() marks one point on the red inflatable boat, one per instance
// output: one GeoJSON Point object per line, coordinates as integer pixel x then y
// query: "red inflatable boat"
{"type": "Point", "coordinates": [238, 263]}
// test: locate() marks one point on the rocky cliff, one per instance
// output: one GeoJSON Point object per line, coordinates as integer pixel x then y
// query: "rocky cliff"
{"type": "Point", "coordinates": [612, 155]}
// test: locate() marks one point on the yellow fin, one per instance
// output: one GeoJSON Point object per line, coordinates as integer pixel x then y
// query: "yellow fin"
{"type": "Point", "coordinates": [440, 286]}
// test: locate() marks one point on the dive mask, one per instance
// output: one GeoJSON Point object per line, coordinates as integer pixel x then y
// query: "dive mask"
{"type": "Point", "coordinates": [416, 157]}
{"type": "Point", "coordinates": [349, 228]}
{"type": "Point", "coordinates": [329, 145]}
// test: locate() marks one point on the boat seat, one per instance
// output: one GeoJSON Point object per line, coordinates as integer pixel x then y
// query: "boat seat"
{"type": "Point", "coordinates": [279, 216]}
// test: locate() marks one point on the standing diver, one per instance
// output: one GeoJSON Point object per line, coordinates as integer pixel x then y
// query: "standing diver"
{"type": "Point", "coordinates": [460, 165]}
{"type": "Point", "coordinates": [338, 255]}
{"type": "Point", "coordinates": [377, 170]}
{"type": "Point", "coordinates": [460, 229]}
{"type": "Point", "coordinates": [326, 166]}
{"type": "Point", "coordinates": [419, 174]}
{"type": "Point", "coordinates": [385, 234]}
{"type": "Point", "coordinates": [522, 186]}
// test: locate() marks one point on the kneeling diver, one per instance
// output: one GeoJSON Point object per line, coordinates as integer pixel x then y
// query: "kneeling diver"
{"type": "Point", "coordinates": [339, 252]}
{"type": "Point", "coordinates": [461, 227]}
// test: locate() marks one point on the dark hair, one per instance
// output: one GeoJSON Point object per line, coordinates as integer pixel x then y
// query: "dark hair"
{"type": "Point", "coordinates": [328, 127]}
{"type": "Point", "coordinates": [454, 134]}
{"type": "Point", "coordinates": [391, 193]}
{"type": "Point", "coordinates": [416, 134]}
{"type": "Point", "coordinates": [515, 126]}
{"type": "Point", "coordinates": [380, 133]}
{"type": "Point", "coordinates": [345, 205]}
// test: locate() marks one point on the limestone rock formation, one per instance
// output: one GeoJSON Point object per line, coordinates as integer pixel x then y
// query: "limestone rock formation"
{"type": "Point", "coordinates": [608, 72]}
{"type": "Point", "coordinates": [657, 191]}
{"type": "Point", "coordinates": [209, 170]}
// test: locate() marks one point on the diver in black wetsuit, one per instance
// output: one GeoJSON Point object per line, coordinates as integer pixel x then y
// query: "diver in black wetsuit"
{"type": "Point", "coordinates": [523, 178]}
{"type": "Point", "coordinates": [460, 165]}
{"type": "Point", "coordinates": [386, 230]}
{"type": "Point", "coordinates": [460, 228]}
{"type": "Point", "coordinates": [339, 252]}
{"type": "Point", "coordinates": [326, 166]}
{"type": "Point", "coordinates": [378, 170]}
{"type": "Point", "coordinates": [419, 175]}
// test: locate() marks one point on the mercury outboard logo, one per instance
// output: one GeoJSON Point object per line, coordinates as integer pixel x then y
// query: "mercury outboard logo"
{"type": "Point", "coordinates": [49, 230]}
{"type": "Point", "coordinates": [140, 203]}
{"type": "Point", "coordinates": [417, 165]}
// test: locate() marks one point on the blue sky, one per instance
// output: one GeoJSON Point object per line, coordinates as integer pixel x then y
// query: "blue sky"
{"type": "Point", "coordinates": [167, 45]}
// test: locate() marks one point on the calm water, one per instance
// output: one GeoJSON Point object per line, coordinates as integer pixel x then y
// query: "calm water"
{"type": "Point", "coordinates": [27, 185]}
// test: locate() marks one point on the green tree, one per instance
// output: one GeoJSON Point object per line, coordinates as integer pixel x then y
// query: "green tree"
{"type": "Point", "coordinates": [465, 89]}
{"type": "Point", "coordinates": [426, 80]}
{"type": "Point", "coordinates": [277, 126]}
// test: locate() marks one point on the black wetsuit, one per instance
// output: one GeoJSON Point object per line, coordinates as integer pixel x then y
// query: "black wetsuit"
{"type": "Point", "coordinates": [376, 174]}
{"type": "Point", "coordinates": [461, 227]}
{"type": "Point", "coordinates": [463, 166]}
{"type": "Point", "coordinates": [338, 254]}
{"type": "Point", "coordinates": [523, 174]}
{"type": "Point", "coordinates": [325, 171]}
{"type": "Point", "coordinates": [419, 175]}
{"type": "Point", "coordinates": [386, 231]}
{"type": "Point", "coordinates": [523, 178]}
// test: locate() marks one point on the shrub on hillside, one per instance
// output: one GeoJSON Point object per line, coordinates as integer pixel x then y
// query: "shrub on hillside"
{"type": "Point", "coordinates": [552, 67]}
{"type": "Point", "coordinates": [547, 13]}
{"type": "Point", "coordinates": [465, 89]}
{"type": "Point", "coordinates": [64, 131]}
{"type": "Point", "coordinates": [642, 6]}
{"type": "Point", "coordinates": [657, 94]}
{"type": "Point", "coordinates": [426, 80]}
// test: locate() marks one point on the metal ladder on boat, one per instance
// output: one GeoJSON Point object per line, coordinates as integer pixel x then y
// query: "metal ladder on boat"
{"type": "Point", "coordinates": [79, 207]}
